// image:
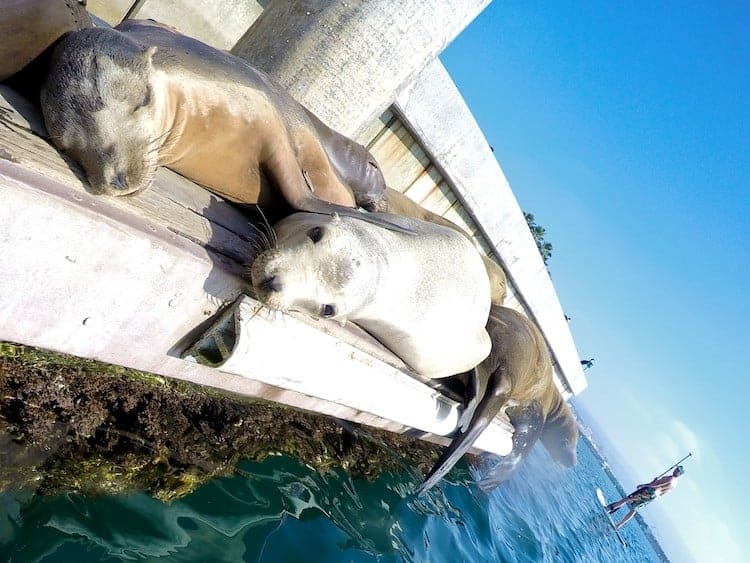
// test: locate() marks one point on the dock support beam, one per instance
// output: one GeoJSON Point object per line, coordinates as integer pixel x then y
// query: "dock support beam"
{"type": "Point", "coordinates": [346, 61]}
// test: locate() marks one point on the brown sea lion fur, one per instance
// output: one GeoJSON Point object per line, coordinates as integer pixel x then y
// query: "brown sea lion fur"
{"type": "Point", "coordinates": [516, 377]}
{"type": "Point", "coordinates": [401, 204]}
{"type": "Point", "coordinates": [123, 101]}
{"type": "Point", "coordinates": [28, 27]}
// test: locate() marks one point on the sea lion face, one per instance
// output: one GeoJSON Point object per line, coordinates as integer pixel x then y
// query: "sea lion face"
{"type": "Point", "coordinates": [319, 266]}
{"type": "Point", "coordinates": [98, 105]}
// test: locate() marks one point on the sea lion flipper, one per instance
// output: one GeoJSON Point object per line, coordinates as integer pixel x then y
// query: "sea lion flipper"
{"type": "Point", "coordinates": [560, 434]}
{"type": "Point", "coordinates": [473, 393]}
{"type": "Point", "coordinates": [353, 163]}
{"type": "Point", "coordinates": [491, 403]}
{"type": "Point", "coordinates": [390, 222]}
{"type": "Point", "coordinates": [527, 421]}
{"type": "Point", "coordinates": [387, 221]}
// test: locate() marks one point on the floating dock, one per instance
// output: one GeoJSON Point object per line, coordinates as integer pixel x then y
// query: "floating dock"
{"type": "Point", "coordinates": [155, 281]}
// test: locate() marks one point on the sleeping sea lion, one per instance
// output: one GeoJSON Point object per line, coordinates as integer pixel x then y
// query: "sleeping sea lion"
{"type": "Point", "coordinates": [516, 377]}
{"type": "Point", "coordinates": [424, 295]}
{"type": "Point", "coordinates": [123, 101]}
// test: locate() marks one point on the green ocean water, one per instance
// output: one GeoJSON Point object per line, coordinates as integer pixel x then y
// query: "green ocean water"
{"type": "Point", "coordinates": [282, 511]}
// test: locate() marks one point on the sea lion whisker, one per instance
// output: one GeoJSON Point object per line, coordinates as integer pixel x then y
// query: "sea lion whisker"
{"type": "Point", "coordinates": [257, 248]}
{"type": "Point", "coordinates": [269, 228]}
{"type": "Point", "coordinates": [262, 238]}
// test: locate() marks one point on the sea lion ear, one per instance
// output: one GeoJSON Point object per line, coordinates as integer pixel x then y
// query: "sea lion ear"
{"type": "Point", "coordinates": [148, 54]}
{"type": "Point", "coordinates": [336, 218]}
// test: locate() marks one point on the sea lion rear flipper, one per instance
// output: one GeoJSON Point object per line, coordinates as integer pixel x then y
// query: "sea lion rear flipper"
{"type": "Point", "coordinates": [491, 403]}
{"type": "Point", "coordinates": [528, 421]}
{"type": "Point", "coordinates": [560, 434]}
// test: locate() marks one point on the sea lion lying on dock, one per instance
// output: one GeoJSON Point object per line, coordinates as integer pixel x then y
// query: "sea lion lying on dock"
{"type": "Point", "coordinates": [401, 204]}
{"type": "Point", "coordinates": [424, 295]}
{"type": "Point", "coordinates": [516, 377]}
{"type": "Point", "coordinates": [28, 27]}
{"type": "Point", "coordinates": [123, 101]}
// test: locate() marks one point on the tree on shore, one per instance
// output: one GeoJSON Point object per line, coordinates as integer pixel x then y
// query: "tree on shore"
{"type": "Point", "coordinates": [545, 248]}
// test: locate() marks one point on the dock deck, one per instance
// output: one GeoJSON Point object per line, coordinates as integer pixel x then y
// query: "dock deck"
{"type": "Point", "coordinates": [135, 281]}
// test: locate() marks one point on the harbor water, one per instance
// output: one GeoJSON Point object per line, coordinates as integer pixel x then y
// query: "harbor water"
{"type": "Point", "coordinates": [280, 510]}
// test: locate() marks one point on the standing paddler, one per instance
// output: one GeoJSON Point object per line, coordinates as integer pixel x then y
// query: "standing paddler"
{"type": "Point", "coordinates": [647, 492]}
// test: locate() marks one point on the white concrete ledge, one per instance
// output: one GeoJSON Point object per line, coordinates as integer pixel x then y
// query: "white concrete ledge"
{"type": "Point", "coordinates": [277, 349]}
{"type": "Point", "coordinates": [81, 275]}
{"type": "Point", "coordinates": [344, 60]}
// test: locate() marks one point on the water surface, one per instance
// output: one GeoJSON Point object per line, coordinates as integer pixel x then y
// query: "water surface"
{"type": "Point", "coordinates": [282, 511]}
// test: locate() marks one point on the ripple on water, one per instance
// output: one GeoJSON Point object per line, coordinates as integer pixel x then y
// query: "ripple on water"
{"type": "Point", "coordinates": [281, 510]}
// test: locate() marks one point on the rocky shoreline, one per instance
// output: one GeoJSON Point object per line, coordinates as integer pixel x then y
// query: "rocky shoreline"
{"type": "Point", "coordinates": [69, 424]}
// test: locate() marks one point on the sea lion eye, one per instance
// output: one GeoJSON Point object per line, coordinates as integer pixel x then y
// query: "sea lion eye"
{"type": "Point", "coordinates": [315, 234]}
{"type": "Point", "coordinates": [146, 100]}
{"type": "Point", "coordinates": [327, 311]}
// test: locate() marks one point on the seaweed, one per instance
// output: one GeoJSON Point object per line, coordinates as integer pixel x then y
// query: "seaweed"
{"type": "Point", "coordinates": [69, 424]}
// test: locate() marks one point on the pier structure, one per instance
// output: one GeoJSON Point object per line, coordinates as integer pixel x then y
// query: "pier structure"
{"type": "Point", "coordinates": [135, 281]}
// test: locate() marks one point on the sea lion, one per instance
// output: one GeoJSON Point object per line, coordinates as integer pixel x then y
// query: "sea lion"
{"type": "Point", "coordinates": [123, 101]}
{"type": "Point", "coordinates": [424, 295]}
{"type": "Point", "coordinates": [398, 203]}
{"type": "Point", "coordinates": [28, 27]}
{"type": "Point", "coordinates": [516, 377]}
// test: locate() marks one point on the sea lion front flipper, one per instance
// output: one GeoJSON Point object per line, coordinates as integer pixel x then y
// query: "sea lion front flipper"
{"type": "Point", "coordinates": [353, 164]}
{"type": "Point", "coordinates": [494, 399]}
{"type": "Point", "coordinates": [390, 222]}
{"type": "Point", "coordinates": [528, 422]}
{"type": "Point", "coordinates": [313, 204]}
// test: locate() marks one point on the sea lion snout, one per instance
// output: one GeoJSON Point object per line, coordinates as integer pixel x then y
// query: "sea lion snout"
{"type": "Point", "coordinates": [119, 181]}
{"type": "Point", "coordinates": [271, 284]}
{"type": "Point", "coordinates": [99, 106]}
{"type": "Point", "coordinates": [266, 275]}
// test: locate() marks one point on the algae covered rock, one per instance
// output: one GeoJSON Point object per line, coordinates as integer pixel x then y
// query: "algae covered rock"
{"type": "Point", "coordinates": [68, 424]}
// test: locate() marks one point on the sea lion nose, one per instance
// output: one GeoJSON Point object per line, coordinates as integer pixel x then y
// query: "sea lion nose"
{"type": "Point", "coordinates": [271, 284]}
{"type": "Point", "coordinates": [120, 181]}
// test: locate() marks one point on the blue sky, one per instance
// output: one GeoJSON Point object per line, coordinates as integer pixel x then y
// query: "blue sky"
{"type": "Point", "coordinates": [625, 129]}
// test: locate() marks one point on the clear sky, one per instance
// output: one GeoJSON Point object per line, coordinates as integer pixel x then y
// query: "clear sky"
{"type": "Point", "coordinates": [625, 129]}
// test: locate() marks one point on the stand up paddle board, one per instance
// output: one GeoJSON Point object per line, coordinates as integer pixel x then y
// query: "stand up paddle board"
{"type": "Point", "coordinates": [603, 502]}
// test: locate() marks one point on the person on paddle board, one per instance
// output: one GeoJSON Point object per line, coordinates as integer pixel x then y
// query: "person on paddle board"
{"type": "Point", "coordinates": [646, 493]}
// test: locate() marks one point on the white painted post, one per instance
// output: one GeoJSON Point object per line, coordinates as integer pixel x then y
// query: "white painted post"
{"type": "Point", "coordinates": [218, 23]}
{"type": "Point", "coordinates": [345, 61]}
